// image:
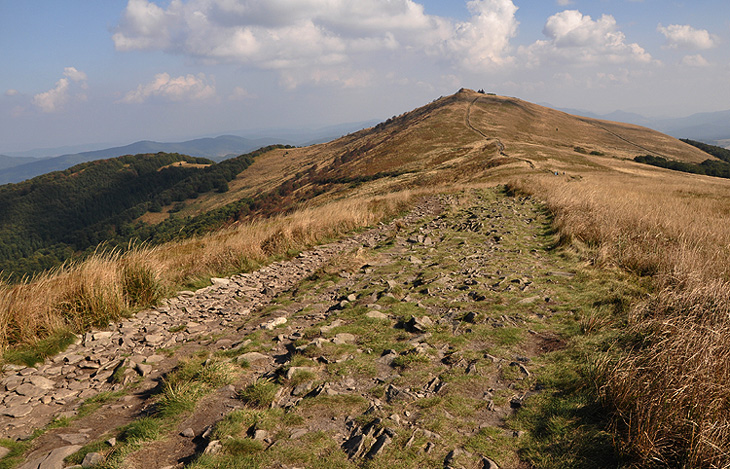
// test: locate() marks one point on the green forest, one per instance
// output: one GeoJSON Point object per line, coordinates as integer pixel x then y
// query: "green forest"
{"type": "Point", "coordinates": [65, 214]}
{"type": "Point", "coordinates": [708, 167]}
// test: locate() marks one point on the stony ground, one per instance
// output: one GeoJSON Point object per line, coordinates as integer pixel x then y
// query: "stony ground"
{"type": "Point", "coordinates": [413, 344]}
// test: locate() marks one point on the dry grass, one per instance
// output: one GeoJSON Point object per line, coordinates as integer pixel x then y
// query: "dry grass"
{"type": "Point", "coordinates": [669, 392]}
{"type": "Point", "coordinates": [108, 284]}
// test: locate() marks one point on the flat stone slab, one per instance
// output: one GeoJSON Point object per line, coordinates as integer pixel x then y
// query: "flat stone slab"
{"type": "Point", "coordinates": [27, 389]}
{"type": "Point", "coordinates": [41, 382]}
{"type": "Point", "coordinates": [376, 315]}
{"type": "Point", "coordinates": [18, 411]}
{"type": "Point", "coordinates": [74, 438]}
{"type": "Point", "coordinates": [53, 460]}
{"type": "Point", "coordinates": [343, 338]}
{"type": "Point", "coordinates": [255, 357]}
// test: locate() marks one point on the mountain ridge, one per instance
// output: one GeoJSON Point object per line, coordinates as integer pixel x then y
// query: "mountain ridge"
{"type": "Point", "coordinates": [215, 148]}
{"type": "Point", "coordinates": [459, 137]}
{"type": "Point", "coordinates": [510, 288]}
{"type": "Point", "coordinates": [708, 127]}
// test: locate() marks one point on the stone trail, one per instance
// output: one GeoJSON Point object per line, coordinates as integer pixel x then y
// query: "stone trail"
{"type": "Point", "coordinates": [456, 270]}
{"type": "Point", "coordinates": [32, 397]}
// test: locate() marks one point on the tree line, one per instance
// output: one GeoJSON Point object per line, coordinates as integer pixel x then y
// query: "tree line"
{"type": "Point", "coordinates": [57, 216]}
{"type": "Point", "coordinates": [709, 167]}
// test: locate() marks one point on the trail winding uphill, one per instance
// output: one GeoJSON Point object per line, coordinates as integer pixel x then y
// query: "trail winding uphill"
{"type": "Point", "coordinates": [414, 342]}
{"type": "Point", "coordinates": [497, 141]}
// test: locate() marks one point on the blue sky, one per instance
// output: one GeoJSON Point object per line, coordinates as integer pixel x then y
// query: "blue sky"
{"type": "Point", "coordinates": [116, 71]}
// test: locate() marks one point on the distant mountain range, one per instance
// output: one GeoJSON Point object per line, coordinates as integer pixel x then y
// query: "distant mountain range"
{"type": "Point", "coordinates": [708, 127]}
{"type": "Point", "coordinates": [12, 161]}
{"type": "Point", "coordinates": [18, 168]}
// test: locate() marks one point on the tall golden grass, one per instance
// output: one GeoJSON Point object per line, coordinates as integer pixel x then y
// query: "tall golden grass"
{"type": "Point", "coordinates": [669, 392]}
{"type": "Point", "coordinates": [101, 288]}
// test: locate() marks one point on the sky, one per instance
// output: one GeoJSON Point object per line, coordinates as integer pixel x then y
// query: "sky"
{"type": "Point", "coordinates": [116, 71]}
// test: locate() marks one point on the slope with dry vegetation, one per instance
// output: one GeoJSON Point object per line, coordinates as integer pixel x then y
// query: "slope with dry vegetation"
{"type": "Point", "coordinates": [660, 372]}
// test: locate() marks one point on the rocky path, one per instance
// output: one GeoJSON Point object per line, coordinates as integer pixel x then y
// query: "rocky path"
{"type": "Point", "coordinates": [409, 345]}
{"type": "Point", "coordinates": [106, 361]}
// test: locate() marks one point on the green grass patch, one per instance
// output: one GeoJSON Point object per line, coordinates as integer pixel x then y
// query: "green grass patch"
{"type": "Point", "coordinates": [143, 429]}
{"type": "Point", "coordinates": [91, 404]}
{"type": "Point", "coordinates": [238, 447]}
{"type": "Point", "coordinates": [30, 355]}
{"type": "Point", "coordinates": [178, 398]}
{"type": "Point", "coordinates": [507, 336]}
{"type": "Point", "coordinates": [15, 456]}
{"type": "Point", "coordinates": [411, 360]}
{"type": "Point", "coordinates": [259, 394]}
{"type": "Point", "coordinates": [404, 310]}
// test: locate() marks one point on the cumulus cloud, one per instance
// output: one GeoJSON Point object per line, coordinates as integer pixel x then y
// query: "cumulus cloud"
{"type": "Point", "coordinates": [12, 92]}
{"type": "Point", "coordinates": [73, 74]}
{"type": "Point", "coordinates": [684, 36]}
{"type": "Point", "coordinates": [576, 38]}
{"type": "Point", "coordinates": [565, 2]}
{"type": "Point", "coordinates": [55, 98]}
{"type": "Point", "coordinates": [182, 88]}
{"type": "Point", "coordinates": [483, 41]}
{"type": "Point", "coordinates": [315, 34]}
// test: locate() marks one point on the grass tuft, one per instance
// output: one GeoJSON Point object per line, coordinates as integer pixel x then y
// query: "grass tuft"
{"type": "Point", "coordinates": [260, 393]}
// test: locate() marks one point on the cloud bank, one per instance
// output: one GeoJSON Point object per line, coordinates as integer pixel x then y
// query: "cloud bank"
{"type": "Point", "coordinates": [286, 35]}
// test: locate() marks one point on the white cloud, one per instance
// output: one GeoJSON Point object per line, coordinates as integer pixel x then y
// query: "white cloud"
{"type": "Point", "coordinates": [73, 74]}
{"type": "Point", "coordinates": [483, 41]}
{"type": "Point", "coordinates": [576, 38]}
{"type": "Point", "coordinates": [565, 2]}
{"type": "Point", "coordinates": [144, 26]}
{"type": "Point", "coordinates": [55, 98]}
{"type": "Point", "coordinates": [12, 92]}
{"type": "Point", "coordinates": [182, 88]}
{"type": "Point", "coordinates": [622, 77]}
{"type": "Point", "coordinates": [286, 35]}
{"type": "Point", "coordinates": [695, 61]}
{"type": "Point", "coordinates": [684, 36]}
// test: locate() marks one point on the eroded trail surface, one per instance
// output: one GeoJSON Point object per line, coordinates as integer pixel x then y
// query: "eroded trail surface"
{"type": "Point", "coordinates": [412, 344]}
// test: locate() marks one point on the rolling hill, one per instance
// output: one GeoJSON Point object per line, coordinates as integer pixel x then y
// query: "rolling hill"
{"type": "Point", "coordinates": [462, 137]}
{"type": "Point", "coordinates": [459, 138]}
{"type": "Point", "coordinates": [7, 162]}
{"type": "Point", "coordinates": [216, 149]}
{"type": "Point", "coordinates": [480, 282]}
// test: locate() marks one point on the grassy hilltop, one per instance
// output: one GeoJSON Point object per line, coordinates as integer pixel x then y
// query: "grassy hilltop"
{"type": "Point", "coordinates": [575, 301]}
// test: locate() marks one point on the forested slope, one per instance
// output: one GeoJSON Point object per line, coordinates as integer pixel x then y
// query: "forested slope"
{"type": "Point", "coordinates": [50, 218]}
